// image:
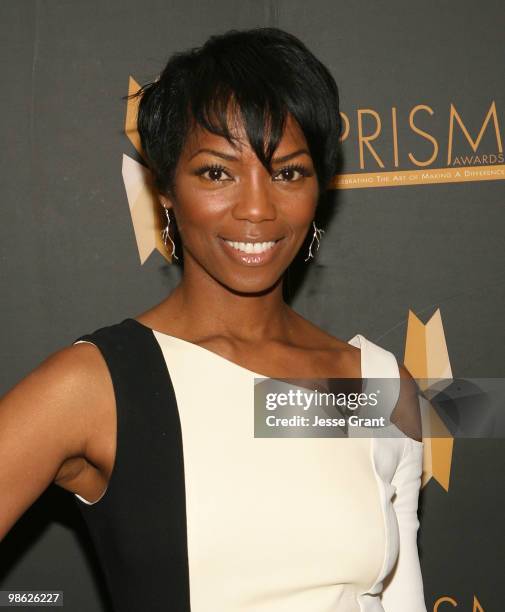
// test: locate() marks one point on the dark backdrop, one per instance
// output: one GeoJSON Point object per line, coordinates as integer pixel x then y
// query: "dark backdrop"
{"type": "Point", "coordinates": [69, 256]}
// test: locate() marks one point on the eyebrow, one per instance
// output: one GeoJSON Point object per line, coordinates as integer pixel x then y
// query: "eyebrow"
{"type": "Point", "coordinates": [275, 160]}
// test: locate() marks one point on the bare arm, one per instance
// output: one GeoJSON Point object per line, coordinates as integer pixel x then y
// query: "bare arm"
{"type": "Point", "coordinates": [46, 419]}
{"type": "Point", "coordinates": [407, 413]}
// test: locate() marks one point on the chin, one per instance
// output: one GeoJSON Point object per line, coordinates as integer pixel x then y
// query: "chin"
{"type": "Point", "coordinates": [256, 282]}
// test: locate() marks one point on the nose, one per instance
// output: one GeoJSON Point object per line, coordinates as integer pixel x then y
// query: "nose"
{"type": "Point", "coordinates": [255, 201]}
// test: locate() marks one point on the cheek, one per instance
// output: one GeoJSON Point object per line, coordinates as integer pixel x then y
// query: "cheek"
{"type": "Point", "coordinates": [201, 211]}
{"type": "Point", "coordinates": [298, 209]}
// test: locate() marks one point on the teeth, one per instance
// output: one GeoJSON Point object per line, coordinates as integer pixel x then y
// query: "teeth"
{"type": "Point", "coordinates": [251, 247]}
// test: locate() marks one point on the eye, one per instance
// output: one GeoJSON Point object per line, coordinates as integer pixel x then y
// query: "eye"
{"type": "Point", "coordinates": [288, 173]}
{"type": "Point", "coordinates": [215, 172]}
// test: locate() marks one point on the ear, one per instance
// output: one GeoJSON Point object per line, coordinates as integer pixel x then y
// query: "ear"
{"type": "Point", "coordinates": [166, 201]}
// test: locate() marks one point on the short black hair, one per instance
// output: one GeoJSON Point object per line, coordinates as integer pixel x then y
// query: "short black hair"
{"type": "Point", "coordinates": [268, 73]}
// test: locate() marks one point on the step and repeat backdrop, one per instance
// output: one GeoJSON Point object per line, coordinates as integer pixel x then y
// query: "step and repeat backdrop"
{"type": "Point", "coordinates": [412, 255]}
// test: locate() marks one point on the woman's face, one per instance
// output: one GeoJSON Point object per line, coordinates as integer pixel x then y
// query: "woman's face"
{"type": "Point", "coordinates": [238, 223]}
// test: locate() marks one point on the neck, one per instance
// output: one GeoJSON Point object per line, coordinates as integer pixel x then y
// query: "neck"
{"type": "Point", "coordinates": [201, 306]}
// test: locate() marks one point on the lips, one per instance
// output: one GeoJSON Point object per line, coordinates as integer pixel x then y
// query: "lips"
{"type": "Point", "coordinates": [251, 252]}
{"type": "Point", "coordinates": [251, 239]}
{"type": "Point", "coordinates": [251, 247]}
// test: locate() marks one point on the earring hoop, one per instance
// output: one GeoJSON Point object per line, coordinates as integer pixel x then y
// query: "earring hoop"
{"type": "Point", "coordinates": [315, 236]}
{"type": "Point", "coordinates": [165, 235]}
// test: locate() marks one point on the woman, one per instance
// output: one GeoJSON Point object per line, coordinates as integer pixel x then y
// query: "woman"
{"type": "Point", "coordinates": [149, 422]}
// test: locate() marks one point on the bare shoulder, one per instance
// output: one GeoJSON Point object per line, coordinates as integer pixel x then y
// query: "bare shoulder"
{"type": "Point", "coordinates": [46, 423]}
{"type": "Point", "coordinates": [92, 403]}
{"type": "Point", "coordinates": [79, 373]}
{"type": "Point", "coordinates": [407, 412]}
{"type": "Point", "coordinates": [346, 360]}
{"type": "Point", "coordinates": [63, 391]}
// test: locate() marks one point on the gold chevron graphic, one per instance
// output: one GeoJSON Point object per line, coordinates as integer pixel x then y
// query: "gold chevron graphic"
{"type": "Point", "coordinates": [131, 116]}
{"type": "Point", "coordinates": [427, 360]}
{"type": "Point", "coordinates": [145, 209]}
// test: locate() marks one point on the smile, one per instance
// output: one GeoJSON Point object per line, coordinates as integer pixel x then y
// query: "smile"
{"type": "Point", "coordinates": [251, 253]}
{"type": "Point", "coordinates": [251, 247]}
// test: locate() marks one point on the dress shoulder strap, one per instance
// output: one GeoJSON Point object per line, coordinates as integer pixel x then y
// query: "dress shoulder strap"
{"type": "Point", "coordinates": [138, 526]}
{"type": "Point", "coordinates": [380, 370]}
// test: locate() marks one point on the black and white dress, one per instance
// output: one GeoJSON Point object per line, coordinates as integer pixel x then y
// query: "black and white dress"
{"type": "Point", "coordinates": [201, 516]}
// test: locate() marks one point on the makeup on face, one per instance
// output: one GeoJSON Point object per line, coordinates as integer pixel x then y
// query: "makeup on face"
{"type": "Point", "coordinates": [235, 215]}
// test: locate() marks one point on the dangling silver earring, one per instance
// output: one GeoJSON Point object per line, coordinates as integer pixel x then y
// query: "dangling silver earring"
{"type": "Point", "coordinates": [165, 235]}
{"type": "Point", "coordinates": [315, 236]}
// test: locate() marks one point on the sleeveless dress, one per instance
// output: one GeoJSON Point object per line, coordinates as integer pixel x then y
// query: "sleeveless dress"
{"type": "Point", "coordinates": [201, 516]}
